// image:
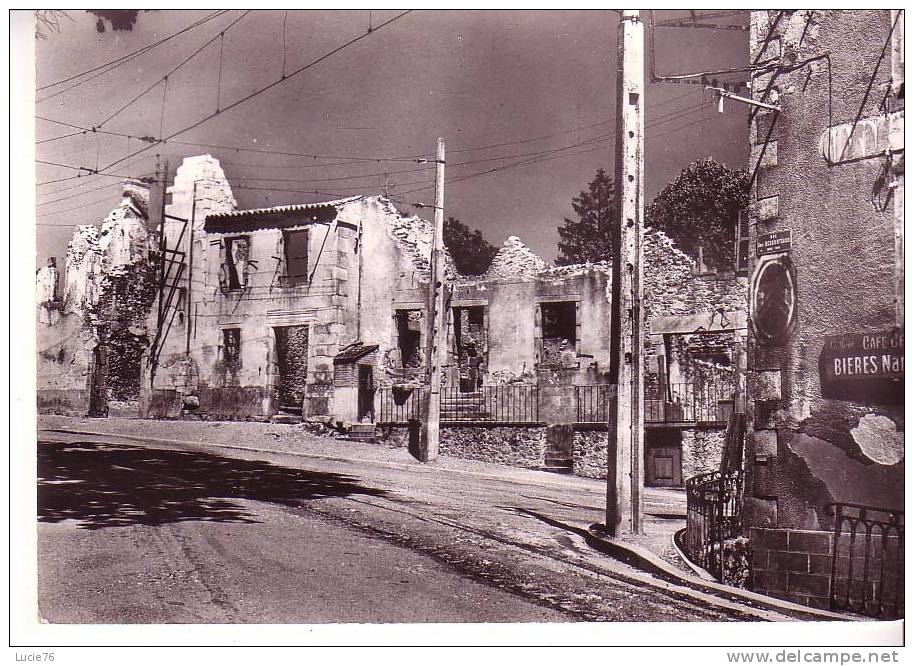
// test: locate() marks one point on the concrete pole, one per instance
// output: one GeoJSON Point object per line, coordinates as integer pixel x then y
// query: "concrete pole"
{"type": "Point", "coordinates": [436, 339]}
{"type": "Point", "coordinates": [625, 453]}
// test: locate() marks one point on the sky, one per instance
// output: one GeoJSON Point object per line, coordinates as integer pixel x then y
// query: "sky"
{"type": "Point", "coordinates": [500, 88]}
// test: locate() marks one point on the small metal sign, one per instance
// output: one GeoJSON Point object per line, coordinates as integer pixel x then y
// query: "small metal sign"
{"type": "Point", "coordinates": [773, 243]}
{"type": "Point", "coordinates": [865, 365]}
{"type": "Point", "coordinates": [773, 301]}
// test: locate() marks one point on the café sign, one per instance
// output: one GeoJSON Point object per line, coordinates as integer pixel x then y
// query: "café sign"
{"type": "Point", "coordinates": [861, 363]}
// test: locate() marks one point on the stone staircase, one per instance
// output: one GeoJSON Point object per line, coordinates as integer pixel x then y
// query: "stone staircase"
{"type": "Point", "coordinates": [464, 407]}
{"type": "Point", "coordinates": [559, 457]}
{"type": "Point", "coordinates": [361, 432]}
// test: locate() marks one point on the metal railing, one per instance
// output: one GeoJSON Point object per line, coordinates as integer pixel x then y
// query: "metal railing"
{"type": "Point", "coordinates": [713, 515]}
{"type": "Point", "coordinates": [689, 402]}
{"type": "Point", "coordinates": [508, 403]}
{"type": "Point", "coordinates": [489, 404]}
{"type": "Point", "coordinates": [396, 405]}
{"type": "Point", "coordinates": [594, 403]}
{"type": "Point", "coordinates": [867, 574]}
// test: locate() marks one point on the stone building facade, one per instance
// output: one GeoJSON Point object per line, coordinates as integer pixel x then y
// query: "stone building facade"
{"type": "Point", "coordinates": [825, 361]}
{"type": "Point", "coordinates": [317, 311]}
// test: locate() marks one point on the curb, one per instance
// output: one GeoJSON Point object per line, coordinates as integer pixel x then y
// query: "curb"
{"type": "Point", "coordinates": [645, 560]}
{"type": "Point", "coordinates": [547, 482]}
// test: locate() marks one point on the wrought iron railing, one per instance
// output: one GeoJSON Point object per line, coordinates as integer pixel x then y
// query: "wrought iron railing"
{"type": "Point", "coordinates": [594, 402]}
{"type": "Point", "coordinates": [399, 405]}
{"type": "Point", "coordinates": [507, 403]}
{"type": "Point", "coordinates": [867, 574]}
{"type": "Point", "coordinates": [689, 402]}
{"type": "Point", "coordinates": [713, 515]}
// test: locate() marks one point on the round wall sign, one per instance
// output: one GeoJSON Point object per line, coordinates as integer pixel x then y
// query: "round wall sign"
{"type": "Point", "coordinates": [773, 299]}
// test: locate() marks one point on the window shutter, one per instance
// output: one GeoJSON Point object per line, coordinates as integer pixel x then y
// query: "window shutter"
{"type": "Point", "coordinates": [741, 250]}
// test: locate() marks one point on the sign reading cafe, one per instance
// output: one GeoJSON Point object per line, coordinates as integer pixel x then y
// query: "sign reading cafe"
{"type": "Point", "coordinates": [863, 363]}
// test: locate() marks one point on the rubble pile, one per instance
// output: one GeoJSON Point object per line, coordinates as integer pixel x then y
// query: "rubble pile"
{"type": "Point", "coordinates": [514, 261]}
{"type": "Point", "coordinates": [414, 236]}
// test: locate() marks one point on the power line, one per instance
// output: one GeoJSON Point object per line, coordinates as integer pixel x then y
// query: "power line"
{"type": "Point", "coordinates": [175, 69]}
{"type": "Point", "coordinates": [117, 62]}
{"type": "Point", "coordinates": [265, 88]}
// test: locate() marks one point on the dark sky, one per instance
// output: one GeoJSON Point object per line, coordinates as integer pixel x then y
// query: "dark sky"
{"type": "Point", "coordinates": [536, 81]}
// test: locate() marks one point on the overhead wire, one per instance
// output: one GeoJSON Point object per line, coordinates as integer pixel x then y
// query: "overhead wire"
{"type": "Point", "coordinates": [262, 90]}
{"type": "Point", "coordinates": [173, 70]}
{"type": "Point", "coordinates": [117, 62]}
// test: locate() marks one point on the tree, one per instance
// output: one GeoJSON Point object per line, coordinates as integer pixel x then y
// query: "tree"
{"type": "Point", "coordinates": [589, 238]}
{"type": "Point", "coordinates": [700, 210]}
{"type": "Point", "coordinates": [120, 19]}
{"type": "Point", "coordinates": [471, 252]}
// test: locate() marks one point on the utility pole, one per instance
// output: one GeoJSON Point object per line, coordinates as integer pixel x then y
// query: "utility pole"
{"type": "Point", "coordinates": [436, 338]}
{"type": "Point", "coordinates": [625, 452]}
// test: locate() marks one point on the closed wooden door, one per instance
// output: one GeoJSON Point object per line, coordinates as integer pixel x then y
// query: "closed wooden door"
{"type": "Point", "coordinates": [664, 466]}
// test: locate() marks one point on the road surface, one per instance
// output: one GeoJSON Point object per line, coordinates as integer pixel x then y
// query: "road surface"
{"type": "Point", "coordinates": [149, 532]}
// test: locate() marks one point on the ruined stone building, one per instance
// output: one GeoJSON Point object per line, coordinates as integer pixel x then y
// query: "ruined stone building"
{"type": "Point", "coordinates": [826, 347]}
{"type": "Point", "coordinates": [317, 311]}
{"type": "Point", "coordinates": [91, 331]}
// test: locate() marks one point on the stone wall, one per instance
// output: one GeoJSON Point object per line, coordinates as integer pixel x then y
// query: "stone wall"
{"type": "Point", "coordinates": [590, 453]}
{"type": "Point", "coordinates": [514, 446]}
{"type": "Point", "coordinates": [843, 211]}
{"type": "Point", "coordinates": [701, 450]}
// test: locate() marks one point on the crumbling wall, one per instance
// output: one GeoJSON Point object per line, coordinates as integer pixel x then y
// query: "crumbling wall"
{"type": "Point", "coordinates": [839, 195]}
{"type": "Point", "coordinates": [109, 289]}
{"type": "Point", "coordinates": [702, 449]}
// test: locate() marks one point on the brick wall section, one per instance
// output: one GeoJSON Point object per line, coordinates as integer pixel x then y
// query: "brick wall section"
{"type": "Point", "coordinates": [792, 564]}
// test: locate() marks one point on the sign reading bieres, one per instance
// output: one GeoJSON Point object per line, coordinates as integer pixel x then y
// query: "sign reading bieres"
{"type": "Point", "coordinates": [856, 364]}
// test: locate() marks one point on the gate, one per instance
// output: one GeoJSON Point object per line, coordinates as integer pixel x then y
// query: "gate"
{"type": "Point", "coordinates": [713, 516]}
{"type": "Point", "coordinates": [867, 574]}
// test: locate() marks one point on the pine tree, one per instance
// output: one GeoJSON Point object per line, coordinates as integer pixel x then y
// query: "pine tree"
{"type": "Point", "coordinates": [589, 238]}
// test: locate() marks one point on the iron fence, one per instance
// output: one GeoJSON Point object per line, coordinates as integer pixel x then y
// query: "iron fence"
{"type": "Point", "coordinates": [713, 515]}
{"type": "Point", "coordinates": [399, 405]}
{"type": "Point", "coordinates": [594, 403]}
{"type": "Point", "coordinates": [867, 574]}
{"type": "Point", "coordinates": [689, 402]}
{"type": "Point", "coordinates": [505, 403]}
{"type": "Point", "coordinates": [508, 403]}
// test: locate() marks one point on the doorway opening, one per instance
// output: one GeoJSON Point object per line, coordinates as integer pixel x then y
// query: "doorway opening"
{"type": "Point", "coordinates": [292, 366]}
{"type": "Point", "coordinates": [663, 457]}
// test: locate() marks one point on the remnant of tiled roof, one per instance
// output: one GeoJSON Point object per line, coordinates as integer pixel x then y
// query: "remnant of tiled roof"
{"type": "Point", "coordinates": [513, 261]}
{"type": "Point", "coordinates": [281, 210]}
{"type": "Point", "coordinates": [353, 352]}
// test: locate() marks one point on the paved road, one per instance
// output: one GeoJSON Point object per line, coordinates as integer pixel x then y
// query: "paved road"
{"type": "Point", "coordinates": [133, 532]}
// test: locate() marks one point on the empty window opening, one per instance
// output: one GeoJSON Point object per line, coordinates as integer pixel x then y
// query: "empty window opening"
{"type": "Point", "coordinates": [231, 345]}
{"type": "Point", "coordinates": [295, 244]}
{"type": "Point", "coordinates": [470, 343]}
{"type": "Point", "coordinates": [235, 262]}
{"type": "Point", "coordinates": [559, 330]}
{"type": "Point", "coordinates": [409, 337]}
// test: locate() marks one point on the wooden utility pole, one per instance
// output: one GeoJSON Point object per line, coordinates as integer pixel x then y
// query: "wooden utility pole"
{"type": "Point", "coordinates": [625, 453]}
{"type": "Point", "coordinates": [436, 338]}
